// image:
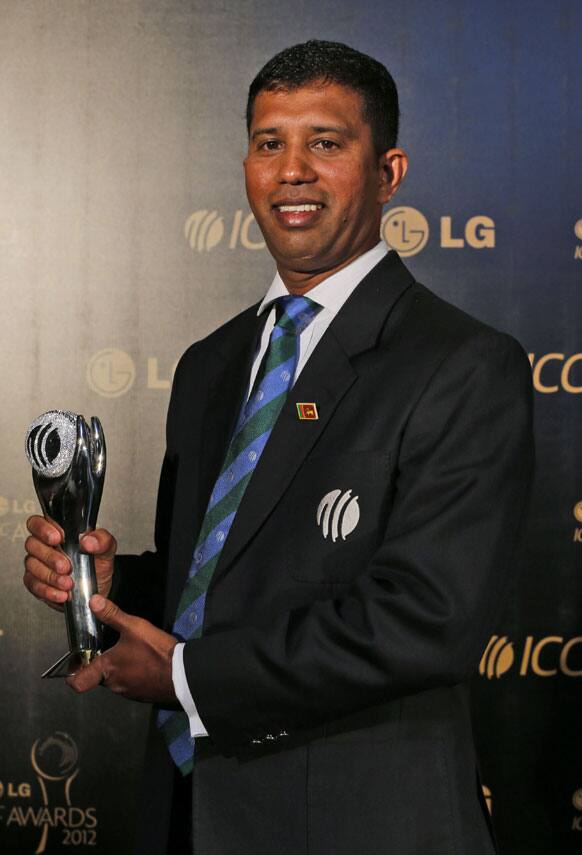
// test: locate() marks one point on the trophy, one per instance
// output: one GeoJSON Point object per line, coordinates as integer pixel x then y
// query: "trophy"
{"type": "Point", "coordinates": [68, 468]}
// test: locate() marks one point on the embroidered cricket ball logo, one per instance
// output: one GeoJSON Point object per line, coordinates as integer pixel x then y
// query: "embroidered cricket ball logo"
{"type": "Point", "coordinates": [338, 514]}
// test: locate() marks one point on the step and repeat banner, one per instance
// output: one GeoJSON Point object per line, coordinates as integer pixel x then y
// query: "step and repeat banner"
{"type": "Point", "coordinates": [125, 235]}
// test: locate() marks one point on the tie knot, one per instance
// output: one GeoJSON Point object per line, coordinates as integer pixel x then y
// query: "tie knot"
{"type": "Point", "coordinates": [295, 313]}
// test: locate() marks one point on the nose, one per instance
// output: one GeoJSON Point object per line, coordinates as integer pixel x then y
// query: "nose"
{"type": "Point", "coordinates": [295, 166]}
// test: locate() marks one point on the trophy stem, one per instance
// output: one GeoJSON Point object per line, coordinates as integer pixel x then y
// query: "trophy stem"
{"type": "Point", "coordinates": [83, 629]}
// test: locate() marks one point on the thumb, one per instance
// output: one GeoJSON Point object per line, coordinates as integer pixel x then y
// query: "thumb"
{"type": "Point", "coordinates": [109, 613]}
{"type": "Point", "coordinates": [98, 542]}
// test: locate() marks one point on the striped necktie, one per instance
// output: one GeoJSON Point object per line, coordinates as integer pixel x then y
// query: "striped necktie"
{"type": "Point", "coordinates": [253, 428]}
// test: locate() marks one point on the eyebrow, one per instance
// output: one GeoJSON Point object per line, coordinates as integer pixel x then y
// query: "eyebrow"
{"type": "Point", "coordinates": [336, 129]}
{"type": "Point", "coordinates": [316, 129]}
{"type": "Point", "coordinates": [261, 131]}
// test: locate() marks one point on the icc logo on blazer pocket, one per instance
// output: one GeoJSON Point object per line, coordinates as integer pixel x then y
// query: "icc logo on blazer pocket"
{"type": "Point", "coordinates": [338, 514]}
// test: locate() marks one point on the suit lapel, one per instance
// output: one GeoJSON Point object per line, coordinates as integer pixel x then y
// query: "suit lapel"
{"type": "Point", "coordinates": [229, 371]}
{"type": "Point", "coordinates": [226, 394]}
{"type": "Point", "coordinates": [325, 379]}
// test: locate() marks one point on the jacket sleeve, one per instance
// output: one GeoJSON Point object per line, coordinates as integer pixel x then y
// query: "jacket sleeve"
{"type": "Point", "coordinates": [419, 613]}
{"type": "Point", "coordinates": [139, 581]}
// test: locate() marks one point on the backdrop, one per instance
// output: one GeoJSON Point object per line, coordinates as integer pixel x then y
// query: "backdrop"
{"type": "Point", "coordinates": [125, 235]}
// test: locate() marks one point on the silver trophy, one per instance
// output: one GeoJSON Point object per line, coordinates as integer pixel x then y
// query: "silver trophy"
{"type": "Point", "coordinates": [68, 468]}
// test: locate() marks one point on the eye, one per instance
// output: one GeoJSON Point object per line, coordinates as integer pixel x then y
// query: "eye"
{"type": "Point", "coordinates": [326, 145]}
{"type": "Point", "coordinates": [270, 145]}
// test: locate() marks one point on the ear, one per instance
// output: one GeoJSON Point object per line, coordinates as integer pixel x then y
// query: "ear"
{"type": "Point", "coordinates": [392, 167]}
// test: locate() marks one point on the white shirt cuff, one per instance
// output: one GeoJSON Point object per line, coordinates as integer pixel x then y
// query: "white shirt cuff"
{"type": "Point", "coordinates": [183, 694]}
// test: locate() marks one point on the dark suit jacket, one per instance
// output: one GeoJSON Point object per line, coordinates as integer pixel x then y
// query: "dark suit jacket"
{"type": "Point", "coordinates": [332, 673]}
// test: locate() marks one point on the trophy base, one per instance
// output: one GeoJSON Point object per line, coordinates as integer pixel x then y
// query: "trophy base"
{"type": "Point", "coordinates": [71, 663]}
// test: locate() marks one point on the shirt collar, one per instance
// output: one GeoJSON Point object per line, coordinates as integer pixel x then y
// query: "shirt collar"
{"type": "Point", "coordinates": [333, 292]}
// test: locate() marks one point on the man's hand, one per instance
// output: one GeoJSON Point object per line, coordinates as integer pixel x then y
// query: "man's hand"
{"type": "Point", "coordinates": [138, 667]}
{"type": "Point", "coordinates": [47, 568]}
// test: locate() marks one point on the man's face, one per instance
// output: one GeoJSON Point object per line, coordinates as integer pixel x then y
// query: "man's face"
{"type": "Point", "coordinates": [314, 181]}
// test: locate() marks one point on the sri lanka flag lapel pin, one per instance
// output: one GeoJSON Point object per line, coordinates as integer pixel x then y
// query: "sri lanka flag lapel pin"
{"type": "Point", "coordinates": [307, 412]}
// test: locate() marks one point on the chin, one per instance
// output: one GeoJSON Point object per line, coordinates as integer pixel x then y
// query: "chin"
{"type": "Point", "coordinates": [303, 263]}
{"type": "Point", "coordinates": [308, 255]}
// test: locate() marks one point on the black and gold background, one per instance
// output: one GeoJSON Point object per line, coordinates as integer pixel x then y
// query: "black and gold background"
{"type": "Point", "coordinates": [125, 235]}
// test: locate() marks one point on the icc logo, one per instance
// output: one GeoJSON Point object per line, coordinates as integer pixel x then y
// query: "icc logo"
{"type": "Point", "coordinates": [338, 513]}
{"type": "Point", "coordinates": [110, 372]}
{"type": "Point", "coordinates": [498, 657]}
{"type": "Point", "coordinates": [205, 229]}
{"type": "Point", "coordinates": [405, 230]}
{"type": "Point", "coordinates": [564, 378]}
{"type": "Point", "coordinates": [543, 657]}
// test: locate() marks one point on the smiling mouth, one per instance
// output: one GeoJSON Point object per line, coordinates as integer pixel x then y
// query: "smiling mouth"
{"type": "Point", "coordinates": [292, 209]}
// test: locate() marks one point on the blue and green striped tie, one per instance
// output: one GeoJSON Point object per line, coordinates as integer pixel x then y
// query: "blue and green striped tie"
{"type": "Point", "coordinates": [250, 436]}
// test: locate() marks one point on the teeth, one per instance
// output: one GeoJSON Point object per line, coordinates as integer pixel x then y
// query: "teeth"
{"type": "Point", "coordinates": [294, 208]}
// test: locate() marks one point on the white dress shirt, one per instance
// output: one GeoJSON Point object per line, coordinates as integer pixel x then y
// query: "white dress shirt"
{"type": "Point", "coordinates": [332, 293]}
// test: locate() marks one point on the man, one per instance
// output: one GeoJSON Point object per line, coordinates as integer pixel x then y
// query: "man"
{"type": "Point", "coordinates": [346, 474]}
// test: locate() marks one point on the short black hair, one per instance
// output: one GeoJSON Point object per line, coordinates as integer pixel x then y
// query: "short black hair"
{"type": "Point", "coordinates": [334, 62]}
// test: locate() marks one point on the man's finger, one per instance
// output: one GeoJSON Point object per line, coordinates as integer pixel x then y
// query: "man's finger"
{"type": "Point", "coordinates": [88, 677]}
{"type": "Point", "coordinates": [35, 569]}
{"type": "Point", "coordinates": [45, 592]}
{"type": "Point", "coordinates": [49, 532]}
{"type": "Point", "coordinates": [53, 558]}
{"type": "Point", "coordinates": [111, 614]}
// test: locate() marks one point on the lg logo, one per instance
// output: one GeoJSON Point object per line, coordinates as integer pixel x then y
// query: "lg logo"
{"type": "Point", "coordinates": [110, 372]}
{"type": "Point", "coordinates": [14, 791]}
{"type": "Point", "coordinates": [16, 506]}
{"type": "Point", "coordinates": [407, 231]}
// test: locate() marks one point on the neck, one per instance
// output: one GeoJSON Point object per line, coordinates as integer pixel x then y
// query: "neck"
{"type": "Point", "coordinates": [299, 282]}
